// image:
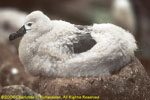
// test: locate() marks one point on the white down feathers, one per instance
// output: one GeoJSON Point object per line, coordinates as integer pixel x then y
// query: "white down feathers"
{"type": "Point", "coordinates": [48, 48]}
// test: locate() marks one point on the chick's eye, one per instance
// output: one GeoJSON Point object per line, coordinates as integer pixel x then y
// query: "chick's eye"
{"type": "Point", "coordinates": [29, 24]}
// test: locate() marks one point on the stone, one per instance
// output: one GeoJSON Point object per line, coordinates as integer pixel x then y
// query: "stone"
{"type": "Point", "coordinates": [18, 92]}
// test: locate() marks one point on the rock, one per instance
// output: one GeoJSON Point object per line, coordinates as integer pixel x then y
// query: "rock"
{"type": "Point", "coordinates": [131, 83]}
{"type": "Point", "coordinates": [21, 92]}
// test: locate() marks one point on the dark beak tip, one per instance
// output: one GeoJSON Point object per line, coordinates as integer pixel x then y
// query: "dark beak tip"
{"type": "Point", "coordinates": [11, 36]}
{"type": "Point", "coordinates": [17, 34]}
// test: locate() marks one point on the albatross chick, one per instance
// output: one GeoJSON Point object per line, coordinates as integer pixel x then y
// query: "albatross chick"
{"type": "Point", "coordinates": [55, 48]}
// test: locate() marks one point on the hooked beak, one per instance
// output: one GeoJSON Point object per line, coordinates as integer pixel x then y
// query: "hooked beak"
{"type": "Point", "coordinates": [17, 34]}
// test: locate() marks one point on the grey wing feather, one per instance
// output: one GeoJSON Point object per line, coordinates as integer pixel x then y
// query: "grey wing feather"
{"type": "Point", "coordinates": [83, 43]}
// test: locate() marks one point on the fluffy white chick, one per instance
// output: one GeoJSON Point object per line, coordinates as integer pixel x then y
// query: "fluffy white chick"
{"type": "Point", "coordinates": [55, 48]}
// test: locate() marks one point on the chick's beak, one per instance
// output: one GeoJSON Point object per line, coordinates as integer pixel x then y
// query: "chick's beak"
{"type": "Point", "coordinates": [17, 34]}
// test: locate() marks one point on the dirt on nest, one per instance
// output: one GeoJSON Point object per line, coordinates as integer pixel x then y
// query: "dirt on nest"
{"type": "Point", "coordinates": [132, 83]}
